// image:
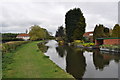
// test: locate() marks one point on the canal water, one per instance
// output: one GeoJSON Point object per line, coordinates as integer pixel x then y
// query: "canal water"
{"type": "Point", "coordinates": [81, 63]}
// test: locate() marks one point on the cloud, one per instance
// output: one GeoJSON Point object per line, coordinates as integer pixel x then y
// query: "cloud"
{"type": "Point", "coordinates": [19, 16]}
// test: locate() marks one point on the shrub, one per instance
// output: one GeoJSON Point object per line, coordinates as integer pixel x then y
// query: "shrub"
{"type": "Point", "coordinates": [11, 46]}
{"type": "Point", "coordinates": [88, 44]}
{"type": "Point", "coordinates": [81, 42]}
{"type": "Point", "coordinates": [78, 41]}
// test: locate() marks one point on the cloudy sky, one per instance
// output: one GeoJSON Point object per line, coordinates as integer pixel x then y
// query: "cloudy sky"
{"type": "Point", "coordinates": [17, 16]}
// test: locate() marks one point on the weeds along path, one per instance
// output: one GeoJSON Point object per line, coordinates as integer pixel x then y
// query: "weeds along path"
{"type": "Point", "coordinates": [30, 62]}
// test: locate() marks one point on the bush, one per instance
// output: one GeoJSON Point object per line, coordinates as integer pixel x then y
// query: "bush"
{"type": "Point", "coordinates": [82, 43]}
{"type": "Point", "coordinates": [11, 46]}
{"type": "Point", "coordinates": [78, 41]}
{"type": "Point", "coordinates": [88, 44]}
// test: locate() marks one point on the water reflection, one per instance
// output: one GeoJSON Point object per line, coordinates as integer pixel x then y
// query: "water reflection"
{"type": "Point", "coordinates": [102, 60]}
{"type": "Point", "coordinates": [111, 56]}
{"type": "Point", "coordinates": [84, 63]}
{"type": "Point", "coordinates": [75, 62]}
{"type": "Point", "coordinates": [61, 50]}
{"type": "Point", "coordinates": [99, 60]}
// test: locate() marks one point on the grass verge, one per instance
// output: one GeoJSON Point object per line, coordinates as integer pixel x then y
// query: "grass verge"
{"type": "Point", "coordinates": [31, 63]}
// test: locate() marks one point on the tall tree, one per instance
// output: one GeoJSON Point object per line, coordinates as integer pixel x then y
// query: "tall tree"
{"type": "Point", "coordinates": [75, 24]}
{"type": "Point", "coordinates": [116, 31]}
{"type": "Point", "coordinates": [37, 33]}
{"type": "Point", "coordinates": [56, 34]}
{"type": "Point", "coordinates": [60, 32]}
{"type": "Point", "coordinates": [95, 32]}
{"type": "Point", "coordinates": [100, 32]}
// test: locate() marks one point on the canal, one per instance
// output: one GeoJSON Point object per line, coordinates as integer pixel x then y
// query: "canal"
{"type": "Point", "coordinates": [81, 63]}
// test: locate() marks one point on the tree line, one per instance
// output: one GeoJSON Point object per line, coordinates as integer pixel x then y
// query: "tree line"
{"type": "Point", "coordinates": [75, 26]}
{"type": "Point", "coordinates": [101, 31]}
{"type": "Point", "coordinates": [36, 33]}
{"type": "Point", "coordinates": [9, 37]}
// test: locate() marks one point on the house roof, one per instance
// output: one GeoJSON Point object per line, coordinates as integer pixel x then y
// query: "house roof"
{"type": "Point", "coordinates": [23, 35]}
{"type": "Point", "coordinates": [88, 33]}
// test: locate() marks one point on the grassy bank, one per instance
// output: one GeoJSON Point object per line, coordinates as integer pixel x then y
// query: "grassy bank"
{"type": "Point", "coordinates": [30, 62]}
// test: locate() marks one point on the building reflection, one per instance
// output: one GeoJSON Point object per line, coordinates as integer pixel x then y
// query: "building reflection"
{"type": "Point", "coordinates": [102, 59]}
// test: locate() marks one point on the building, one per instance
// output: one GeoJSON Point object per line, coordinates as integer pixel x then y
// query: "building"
{"type": "Point", "coordinates": [107, 41]}
{"type": "Point", "coordinates": [23, 36]}
{"type": "Point", "coordinates": [88, 36]}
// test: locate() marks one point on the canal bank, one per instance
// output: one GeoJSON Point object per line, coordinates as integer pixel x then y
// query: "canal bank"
{"type": "Point", "coordinates": [30, 62]}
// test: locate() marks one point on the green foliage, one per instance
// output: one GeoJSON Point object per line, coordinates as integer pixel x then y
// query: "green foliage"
{"type": "Point", "coordinates": [42, 47]}
{"type": "Point", "coordinates": [76, 34]}
{"type": "Point", "coordinates": [78, 41]}
{"type": "Point", "coordinates": [11, 46]}
{"type": "Point", "coordinates": [107, 32]}
{"type": "Point", "coordinates": [116, 31]}
{"type": "Point", "coordinates": [88, 44]}
{"type": "Point", "coordinates": [82, 43]}
{"type": "Point", "coordinates": [60, 32]}
{"type": "Point", "coordinates": [10, 37]}
{"type": "Point", "coordinates": [37, 33]}
{"type": "Point", "coordinates": [100, 32]}
{"type": "Point", "coordinates": [75, 24]}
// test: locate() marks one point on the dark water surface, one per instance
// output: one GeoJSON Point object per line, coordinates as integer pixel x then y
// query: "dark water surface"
{"type": "Point", "coordinates": [83, 63]}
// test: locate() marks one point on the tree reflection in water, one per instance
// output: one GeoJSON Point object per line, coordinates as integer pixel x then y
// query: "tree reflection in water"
{"type": "Point", "coordinates": [61, 50]}
{"type": "Point", "coordinates": [102, 59]}
{"type": "Point", "coordinates": [99, 61]}
{"type": "Point", "coordinates": [75, 60]}
{"type": "Point", "coordinates": [76, 63]}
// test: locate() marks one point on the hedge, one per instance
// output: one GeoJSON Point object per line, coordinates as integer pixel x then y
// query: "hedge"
{"type": "Point", "coordinates": [11, 46]}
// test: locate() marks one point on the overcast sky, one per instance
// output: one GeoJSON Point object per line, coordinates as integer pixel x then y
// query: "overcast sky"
{"type": "Point", "coordinates": [18, 16]}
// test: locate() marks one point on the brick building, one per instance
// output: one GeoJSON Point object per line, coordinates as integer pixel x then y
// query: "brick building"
{"type": "Point", "coordinates": [88, 36]}
{"type": "Point", "coordinates": [108, 41]}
